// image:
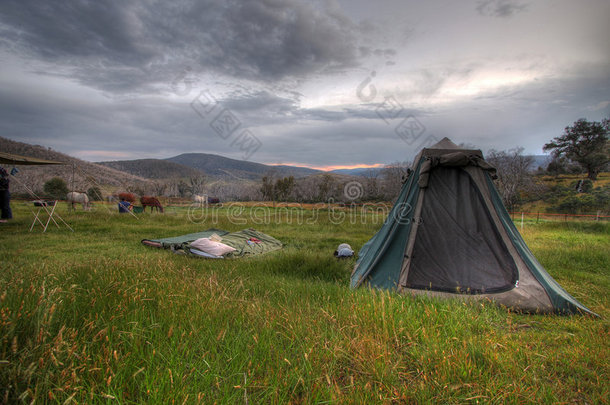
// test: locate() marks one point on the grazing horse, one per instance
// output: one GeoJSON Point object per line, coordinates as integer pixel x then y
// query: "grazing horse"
{"type": "Point", "coordinates": [151, 202]}
{"type": "Point", "coordinates": [200, 199]}
{"type": "Point", "coordinates": [75, 197]}
{"type": "Point", "coordinates": [128, 197]}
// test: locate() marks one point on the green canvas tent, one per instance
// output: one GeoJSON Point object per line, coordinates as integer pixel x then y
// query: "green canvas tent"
{"type": "Point", "coordinates": [12, 159]}
{"type": "Point", "coordinates": [449, 235]}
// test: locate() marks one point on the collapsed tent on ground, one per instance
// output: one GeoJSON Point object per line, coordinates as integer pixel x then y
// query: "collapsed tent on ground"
{"type": "Point", "coordinates": [216, 243]}
{"type": "Point", "coordinates": [449, 235]}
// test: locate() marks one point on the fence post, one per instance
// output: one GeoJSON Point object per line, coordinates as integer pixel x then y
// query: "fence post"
{"type": "Point", "coordinates": [521, 221]}
{"type": "Point", "coordinates": [538, 217]}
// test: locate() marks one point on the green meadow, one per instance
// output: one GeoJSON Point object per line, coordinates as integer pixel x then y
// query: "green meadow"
{"type": "Point", "coordinates": [92, 316]}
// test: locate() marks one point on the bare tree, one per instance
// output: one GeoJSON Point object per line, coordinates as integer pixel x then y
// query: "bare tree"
{"type": "Point", "coordinates": [184, 190]}
{"type": "Point", "coordinates": [514, 176]}
{"type": "Point", "coordinates": [325, 187]}
{"type": "Point", "coordinates": [172, 189]}
{"type": "Point", "coordinates": [393, 176]}
{"type": "Point", "coordinates": [197, 184]}
{"type": "Point", "coordinates": [250, 192]}
{"type": "Point", "coordinates": [306, 189]}
{"type": "Point", "coordinates": [158, 187]}
{"type": "Point", "coordinates": [372, 189]}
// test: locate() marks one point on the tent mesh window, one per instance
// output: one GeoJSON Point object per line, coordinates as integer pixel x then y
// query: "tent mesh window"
{"type": "Point", "coordinates": [457, 246]}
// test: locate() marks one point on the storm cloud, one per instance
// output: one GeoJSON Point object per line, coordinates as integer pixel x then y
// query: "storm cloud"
{"type": "Point", "coordinates": [134, 45]}
{"type": "Point", "coordinates": [500, 8]}
{"type": "Point", "coordinates": [320, 83]}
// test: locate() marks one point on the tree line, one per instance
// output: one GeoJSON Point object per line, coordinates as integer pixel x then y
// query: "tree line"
{"type": "Point", "coordinates": [583, 148]}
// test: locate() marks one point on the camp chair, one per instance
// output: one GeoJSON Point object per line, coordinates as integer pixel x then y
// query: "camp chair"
{"type": "Point", "coordinates": [44, 205]}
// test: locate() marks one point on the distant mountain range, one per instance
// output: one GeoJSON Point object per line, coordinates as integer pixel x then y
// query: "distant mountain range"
{"type": "Point", "coordinates": [213, 166]}
{"type": "Point", "coordinates": [124, 172]}
{"type": "Point", "coordinates": [220, 167]}
{"type": "Point", "coordinates": [538, 161]}
{"type": "Point", "coordinates": [359, 171]}
{"type": "Point", "coordinates": [541, 161]}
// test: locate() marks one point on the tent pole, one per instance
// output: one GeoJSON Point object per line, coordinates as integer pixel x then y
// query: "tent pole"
{"type": "Point", "coordinates": [72, 182]}
{"type": "Point", "coordinates": [521, 221]}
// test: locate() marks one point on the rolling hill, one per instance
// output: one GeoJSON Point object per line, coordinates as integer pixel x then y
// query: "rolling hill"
{"type": "Point", "coordinates": [78, 174]}
{"type": "Point", "coordinates": [222, 167]}
{"type": "Point", "coordinates": [360, 171]}
{"type": "Point", "coordinates": [153, 168]}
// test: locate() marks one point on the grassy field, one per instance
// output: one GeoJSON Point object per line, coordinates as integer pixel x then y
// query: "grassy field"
{"type": "Point", "coordinates": [93, 316]}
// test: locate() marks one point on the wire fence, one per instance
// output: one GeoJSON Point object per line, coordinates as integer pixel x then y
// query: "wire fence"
{"type": "Point", "coordinates": [553, 216]}
{"type": "Point", "coordinates": [516, 216]}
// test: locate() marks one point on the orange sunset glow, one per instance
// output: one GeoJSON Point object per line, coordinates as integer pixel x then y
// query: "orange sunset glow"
{"type": "Point", "coordinates": [329, 168]}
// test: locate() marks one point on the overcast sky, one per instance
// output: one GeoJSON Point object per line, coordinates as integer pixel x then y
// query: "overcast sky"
{"type": "Point", "coordinates": [313, 83]}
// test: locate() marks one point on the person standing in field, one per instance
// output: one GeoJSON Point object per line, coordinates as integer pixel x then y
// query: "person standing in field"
{"type": "Point", "coordinates": [5, 196]}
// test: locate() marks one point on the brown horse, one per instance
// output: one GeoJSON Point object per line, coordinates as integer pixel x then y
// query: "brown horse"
{"type": "Point", "coordinates": [127, 197]}
{"type": "Point", "coordinates": [151, 202]}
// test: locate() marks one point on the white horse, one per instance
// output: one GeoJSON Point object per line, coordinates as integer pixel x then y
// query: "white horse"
{"type": "Point", "coordinates": [75, 197]}
{"type": "Point", "coordinates": [200, 199]}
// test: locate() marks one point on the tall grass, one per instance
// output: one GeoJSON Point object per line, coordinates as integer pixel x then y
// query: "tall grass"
{"type": "Point", "coordinates": [93, 316]}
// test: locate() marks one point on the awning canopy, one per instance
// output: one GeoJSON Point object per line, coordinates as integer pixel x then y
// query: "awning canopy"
{"type": "Point", "coordinates": [11, 159]}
